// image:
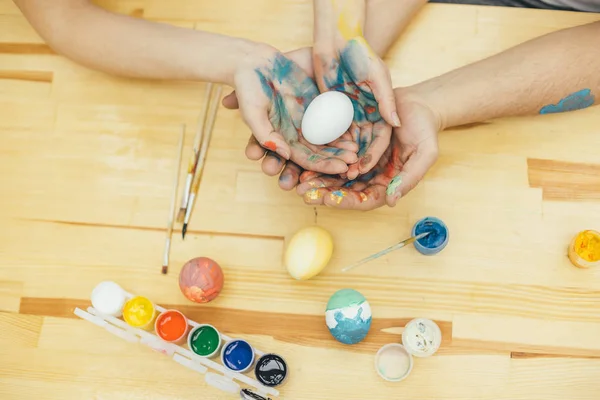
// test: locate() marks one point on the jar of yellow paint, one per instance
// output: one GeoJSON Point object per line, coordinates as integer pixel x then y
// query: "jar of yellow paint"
{"type": "Point", "coordinates": [139, 312]}
{"type": "Point", "coordinates": [584, 250]}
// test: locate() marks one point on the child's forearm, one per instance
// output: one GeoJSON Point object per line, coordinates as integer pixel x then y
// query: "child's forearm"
{"type": "Point", "coordinates": [557, 72]}
{"type": "Point", "coordinates": [132, 47]}
{"type": "Point", "coordinates": [337, 21]}
{"type": "Point", "coordinates": [385, 21]}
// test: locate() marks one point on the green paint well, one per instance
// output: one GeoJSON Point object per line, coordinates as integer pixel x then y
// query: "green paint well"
{"type": "Point", "coordinates": [344, 298]}
{"type": "Point", "coordinates": [204, 341]}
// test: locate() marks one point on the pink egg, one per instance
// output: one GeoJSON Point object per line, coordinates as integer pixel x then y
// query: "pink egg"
{"type": "Point", "coordinates": [201, 280]}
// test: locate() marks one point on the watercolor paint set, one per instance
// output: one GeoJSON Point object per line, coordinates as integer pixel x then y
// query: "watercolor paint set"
{"type": "Point", "coordinates": [194, 345]}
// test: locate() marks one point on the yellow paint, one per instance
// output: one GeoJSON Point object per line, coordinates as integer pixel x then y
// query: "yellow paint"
{"type": "Point", "coordinates": [363, 197]}
{"type": "Point", "coordinates": [139, 312]}
{"type": "Point", "coordinates": [308, 252]}
{"type": "Point", "coordinates": [584, 250]}
{"type": "Point", "coordinates": [313, 195]}
{"type": "Point", "coordinates": [348, 22]}
{"type": "Point", "coordinates": [338, 196]}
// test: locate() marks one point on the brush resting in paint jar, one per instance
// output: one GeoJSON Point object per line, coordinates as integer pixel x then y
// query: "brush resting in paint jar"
{"type": "Point", "coordinates": [437, 239]}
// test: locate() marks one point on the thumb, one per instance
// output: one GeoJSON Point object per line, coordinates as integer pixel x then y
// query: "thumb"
{"type": "Point", "coordinates": [412, 172]}
{"type": "Point", "coordinates": [230, 101]}
{"type": "Point", "coordinates": [262, 129]}
{"type": "Point", "coordinates": [381, 85]}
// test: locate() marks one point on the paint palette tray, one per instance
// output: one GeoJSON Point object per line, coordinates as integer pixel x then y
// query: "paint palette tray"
{"type": "Point", "coordinates": [215, 373]}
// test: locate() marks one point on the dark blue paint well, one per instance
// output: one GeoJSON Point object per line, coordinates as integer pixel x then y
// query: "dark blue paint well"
{"type": "Point", "coordinates": [237, 355]}
{"type": "Point", "coordinates": [436, 241]}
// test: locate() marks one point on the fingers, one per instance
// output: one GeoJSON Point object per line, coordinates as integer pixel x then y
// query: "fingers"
{"type": "Point", "coordinates": [381, 86]}
{"type": "Point", "coordinates": [324, 181]}
{"type": "Point", "coordinates": [290, 177]}
{"type": "Point", "coordinates": [258, 121]}
{"type": "Point", "coordinates": [370, 198]}
{"type": "Point", "coordinates": [254, 151]}
{"type": "Point", "coordinates": [309, 160]}
{"type": "Point", "coordinates": [230, 101]}
{"type": "Point", "coordinates": [380, 142]}
{"type": "Point", "coordinates": [353, 171]}
{"type": "Point", "coordinates": [272, 164]}
{"type": "Point", "coordinates": [412, 172]}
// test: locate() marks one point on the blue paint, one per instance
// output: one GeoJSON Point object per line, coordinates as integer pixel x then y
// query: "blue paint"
{"type": "Point", "coordinates": [333, 151]}
{"type": "Point", "coordinates": [348, 316]}
{"type": "Point", "coordinates": [289, 89]}
{"type": "Point", "coordinates": [575, 101]}
{"type": "Point", "coordinates": [237, 355]}
{"type": "Point", "coordinates": [436, 241]}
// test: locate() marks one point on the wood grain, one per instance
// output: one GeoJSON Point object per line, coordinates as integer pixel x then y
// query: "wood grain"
{"type": "Point", "coordinates": [85, 172]}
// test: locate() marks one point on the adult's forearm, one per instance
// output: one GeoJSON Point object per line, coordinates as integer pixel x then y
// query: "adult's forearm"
{"type": "Point", "coordinates": [127, 46]}
{"type": "Point", "coordinates": [385, 21]}
{"type": "Point", "coordinates": [557, 72]}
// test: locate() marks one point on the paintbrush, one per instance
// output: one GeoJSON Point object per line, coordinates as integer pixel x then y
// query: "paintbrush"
{"type": "Point", "coordinates": [201, 160]}
{"type": "Point", "coordinates": [171, 219]}
{"type": "Point", "coordinates": [386, 251]}
{"type": "Point", "coordinates": [195, 154]}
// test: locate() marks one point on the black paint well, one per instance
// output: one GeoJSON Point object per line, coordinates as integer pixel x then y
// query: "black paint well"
{"type": "Point", "coordinates": [271, 370]}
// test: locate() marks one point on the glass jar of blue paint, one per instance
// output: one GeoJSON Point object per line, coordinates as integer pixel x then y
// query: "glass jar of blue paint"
{"type": "Point", "coordinates": [436, 241]}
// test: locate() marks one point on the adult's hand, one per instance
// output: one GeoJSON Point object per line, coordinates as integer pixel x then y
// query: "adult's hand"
{"type": "Point", "coordinates": [273, 92]}
{"type": "Point", "coordinates": [411, 152]}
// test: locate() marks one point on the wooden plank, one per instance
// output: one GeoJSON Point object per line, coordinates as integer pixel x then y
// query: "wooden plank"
{"type": "Point", "coordinates": [527, 334]}
{"type": "Point", "coordinates": [19, 331]}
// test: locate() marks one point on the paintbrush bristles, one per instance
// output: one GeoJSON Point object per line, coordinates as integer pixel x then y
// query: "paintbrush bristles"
{"type": "Point", "coordinates": [201, 159]}
{"type": "Point", "coordinates": [193, 163]}
{"type": "Point", "coordinates": [171, 219]}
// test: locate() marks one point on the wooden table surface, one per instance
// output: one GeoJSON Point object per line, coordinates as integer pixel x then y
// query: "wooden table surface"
{"type": "Point", "coordinates": [86, 165]}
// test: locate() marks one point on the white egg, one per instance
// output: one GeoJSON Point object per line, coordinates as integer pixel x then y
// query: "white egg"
{"type": "Point", "coordinates": [327, 117]}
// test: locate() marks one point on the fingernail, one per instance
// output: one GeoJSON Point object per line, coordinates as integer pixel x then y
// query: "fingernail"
{"type": "Point", "coordinates": [396, 119]}
{"type": "Point", "coordinates": [394, 187]}
{"type": "Point", "coordinates": [364, 162]}
{"type": "Point", "coordinates": [283, 153]}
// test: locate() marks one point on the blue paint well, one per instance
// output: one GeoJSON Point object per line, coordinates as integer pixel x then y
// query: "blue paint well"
{"type": "Point", "coordinates": [575, 101]}
{"type": "Point", "coordinates": [436, 241]}
{"type": "Point", "coordinates": [237, 355]}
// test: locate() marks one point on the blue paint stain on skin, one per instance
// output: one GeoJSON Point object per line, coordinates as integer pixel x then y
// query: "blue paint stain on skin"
{"type": "Point", "coordinates": [368, 176]}
{"type": "Point", "coordinates": [575, 101]}
{"type": "Point", "coordinates": [363, 145]}
{"type": "Point", "coordinates": [238, 355]}
{"type": "Point", "coordinates": [436, 241]}
{"type": "Point", "coordinates": [333, 151]}
{"type": "Point", "coordinates": [349, 183]}
{"type": "Point", "coordinates": [289, 89]}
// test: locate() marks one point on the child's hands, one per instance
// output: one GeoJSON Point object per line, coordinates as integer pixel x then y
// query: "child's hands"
{"type": "Point", "coordinates": [273, 92]}
{"type": "Point", "coordinates": [355, 70]}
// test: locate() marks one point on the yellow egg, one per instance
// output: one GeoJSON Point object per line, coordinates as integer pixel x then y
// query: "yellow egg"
{"type": "Point", "coordinates": [308, 252]}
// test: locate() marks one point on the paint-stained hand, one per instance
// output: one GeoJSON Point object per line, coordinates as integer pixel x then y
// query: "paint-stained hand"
{"type": "Point", "coordinates": [357, 71]}
{"type": "Point", "coordinates": [411, 152]}
{"type": "Point", "coordinates": [273, 92]}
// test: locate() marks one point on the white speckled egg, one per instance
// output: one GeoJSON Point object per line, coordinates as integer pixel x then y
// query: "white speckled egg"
{"type": "Point", "coordinates": [327, 117]}
{"type": "Point", "coordinates": [308, 252]}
